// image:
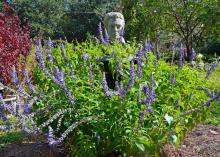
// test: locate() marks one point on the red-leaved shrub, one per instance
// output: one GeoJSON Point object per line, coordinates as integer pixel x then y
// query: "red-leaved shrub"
{"type": "Point", "coordinates": [14, 42]}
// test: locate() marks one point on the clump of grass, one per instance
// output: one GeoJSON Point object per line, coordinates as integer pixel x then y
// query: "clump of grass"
{"type": "Point", "coordinates": [15, 136]}
{"type": "Point", "coordinates": [12, 136]}
{"type": "Point", "coordinates": [214, 117]}
{"type": "Point", "coordinates": [215, 80]}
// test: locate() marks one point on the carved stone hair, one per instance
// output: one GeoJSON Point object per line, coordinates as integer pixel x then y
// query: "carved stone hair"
{"type": "Point", "coordinates": [114, 16]}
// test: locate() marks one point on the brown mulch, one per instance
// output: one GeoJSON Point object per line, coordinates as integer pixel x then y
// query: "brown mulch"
{"type": "Point", "coordinates": [202, 141]}
{"type": "Point", "coordinates": [36, 146]}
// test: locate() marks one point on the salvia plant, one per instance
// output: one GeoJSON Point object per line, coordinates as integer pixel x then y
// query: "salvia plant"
{"type": "Point", "coordinates": [150, 105]}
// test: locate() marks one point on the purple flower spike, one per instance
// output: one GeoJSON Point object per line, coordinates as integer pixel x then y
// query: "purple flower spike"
{"type": "Point", "coordinates": [100, 33]}
{"type": "Point", "coordinates": [59, 76]}
{"type": "Point", "coordinates": [101, 38]}
{"type": "Point", "coordinates": [1, 97]}
{"type": "Point", "coordinates": [15, 79]}
{"type": "Point", "coordinates": [148, 100]}
{"type": "Point", "coordinates": [50, 56]}
{"type": "Point", "coordinates": [181, 56]}
{"type": "Point", "coordinates": [39, 58]}
{"type": "Point", "coordinates": [2, 113]}
{"type": "Point", "coordinates": [211, 69]}
{"type": "Point", "coordinates": [139, 62]}
{"type": "Point", "coordinates": [121, 90]}
{"type": "Point", "coordinates": [152, 96]}
{"type": "Point", "coordinates": [17, 82]}
{"type": "Point", "coordinates": [90, 71]}
{"type": "Point", "coordinates": [17, 106]}
{"type": "Point", "coordinates": [149, 94]}
{"type": "Point", "coordinates": [153, 84]}
{"type": "Point", "coordinates": [150, 110]}
{"type": "Point", "coordinates": [28, 82]}
{"type": "Point", "coordinates": [70, 97]}
{"type": "Point", "coordinates": [172, 79]}
{"type": "Point", "coordinates": [155, 62]}
{"type": "Point", "coordinates": [51, 137]}
{"type": "Point", "coordinates": [50, 43]}
{"type": "Point", "coordinates": [132, 76]}
{"type": "Point", "coordinates": [105, 86]}
{"type": "Point", "coordinates": [85, 57]}
{"type": "Point", "coordinates": [146, 89]}
{"type": "Point", "coordinates": [141, 118]}
{"type": "Point", "coordinates": [64, 53]}
{"type": "Point", "coordinates": [49, 50]}
{"type": "Point", "coordinates": [27, 109]}
{"type": "Point", "coordinates": [192, 56]}
{"type": "Point", "coordinates": [147, 47]}
{"type": "Point", "coordinates": [72, 72]}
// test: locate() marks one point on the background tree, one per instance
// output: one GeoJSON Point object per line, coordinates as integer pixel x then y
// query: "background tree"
{"type": "Point", "coordinates": [45, 15]}
{"type": "Point", "coordinates": [143, 19]}
{"type": "Point", "coordinates": [190, 21]}
{"type": "Point", "coordinates": [70, 18]}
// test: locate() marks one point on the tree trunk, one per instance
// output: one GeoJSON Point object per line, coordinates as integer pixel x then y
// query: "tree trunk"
{"type": "Point", "coordinates": [188, 51]}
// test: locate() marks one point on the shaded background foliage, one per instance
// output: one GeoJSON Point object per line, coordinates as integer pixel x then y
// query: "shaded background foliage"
{"type": "Point", "coordinates": [69, 18]}
{"type": "Point", "coordinates": [45, 16]}
{"type": "Point", "coordinates": [194, 23]}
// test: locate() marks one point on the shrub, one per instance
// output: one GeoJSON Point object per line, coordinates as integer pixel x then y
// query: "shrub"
{"type": "Point", "coordinates": [14, 42]}
{"type": "Point", "coordinates": [153, 103]}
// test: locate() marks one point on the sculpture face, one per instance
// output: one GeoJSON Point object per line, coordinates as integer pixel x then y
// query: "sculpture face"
{"type": "Point", "coordinates": [114, 28]}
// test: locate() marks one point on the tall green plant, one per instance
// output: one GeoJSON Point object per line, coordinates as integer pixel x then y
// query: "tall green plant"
{"type": "Point", "coordinates": [154, 103]}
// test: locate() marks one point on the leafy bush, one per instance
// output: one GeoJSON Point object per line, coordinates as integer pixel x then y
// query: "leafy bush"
{"type": "Point", "coordinates": [14, 42]}
{"type": "Point", "coordinates": [152, 103]}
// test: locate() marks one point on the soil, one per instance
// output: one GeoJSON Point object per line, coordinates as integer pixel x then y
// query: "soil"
{"type": "Point", "coordinates": [202, 141]}
{"type": "Point", "coordinates": [36, 146]}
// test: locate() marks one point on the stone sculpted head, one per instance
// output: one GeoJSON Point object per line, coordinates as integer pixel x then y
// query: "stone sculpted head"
{"type": "Point", "coordinates": [114, 23]}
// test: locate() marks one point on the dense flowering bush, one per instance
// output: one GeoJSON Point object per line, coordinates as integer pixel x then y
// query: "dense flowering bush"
{"type": "Point", "coordinates": [14, 41]}
{"type": "Point", "coordinates": [151, 103]}
{"type": "Point", "coordinates": [103, 99]}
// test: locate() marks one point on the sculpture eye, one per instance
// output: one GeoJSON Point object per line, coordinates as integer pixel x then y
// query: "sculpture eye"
{"type": "Point", "coordinates": [118, 26]}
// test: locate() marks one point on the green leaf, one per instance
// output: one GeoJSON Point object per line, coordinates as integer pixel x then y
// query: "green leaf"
{"type": "Point", "coordinates": [140, 146]}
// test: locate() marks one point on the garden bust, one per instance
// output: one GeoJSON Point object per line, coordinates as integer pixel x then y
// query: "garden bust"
{"type": "Point", "coordinates": [114, 24]}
